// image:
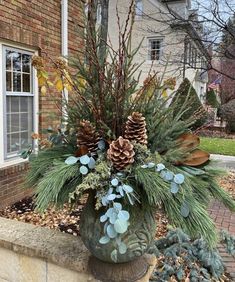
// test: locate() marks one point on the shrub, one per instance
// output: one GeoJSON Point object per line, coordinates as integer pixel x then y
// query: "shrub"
{"type": "Point", "coordinates": [228, 114]}
{"type": "Point", "coordinates": [211, 99]}
{"type": "Point", "coordinates": [186, 98]}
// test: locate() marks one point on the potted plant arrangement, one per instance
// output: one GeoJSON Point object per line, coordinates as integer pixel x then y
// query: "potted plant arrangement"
{"type": "Point", "coordinates": [123, 147]}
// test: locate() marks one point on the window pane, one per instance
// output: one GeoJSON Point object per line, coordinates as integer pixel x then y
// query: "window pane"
{"type": "Point", "coordinates": [8, 104]}
{"type": "Point", "coordinates": [24, 104]}
{"type": "Point", "coordinates": [15, 142]}
{"type": "Point", "coordinates": [26, 63]}
{"type": "Point", "coordinates": [26, 82]}
{"type": "Point", "coordinates": [16, 82]}
{"type": "Point", "coordinates": [8, 60]}
{"type": "Point", "coordinates": [9, 81]}
{"type": "Point", "coordinates": [14, 104]}
{"type": "Point", "coordinates": [25, 138]}
{"type": "Point", "coordinates": [14, 123]}
{"type": "Point", "coordinates": [16, 61]}
{"type": "Point", "coordinates": [24, 121]}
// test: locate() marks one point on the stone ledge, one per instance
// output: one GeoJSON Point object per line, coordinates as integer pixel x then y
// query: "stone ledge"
{"type": "Point", "coordinates": [53, 246]}
{"type": "Point", "coordinates": [53, 252]}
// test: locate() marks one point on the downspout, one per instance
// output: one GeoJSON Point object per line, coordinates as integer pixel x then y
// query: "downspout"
{"type": "Point", "coordinates": [64, 45]}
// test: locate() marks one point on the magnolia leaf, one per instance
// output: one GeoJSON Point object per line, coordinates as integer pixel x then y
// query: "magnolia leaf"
{"type": "Point", "coordinates": [103, 218]}
{"type": "Point", "coordinates": [122, 248]}
{"type": "Point", "coordinates": [104, 240]}
{"type": "Point", "coordinates": [184, 210]}
{"type": "Point", "coordinates": [127, 188]}
{"type": "Point", "coordinates": [117, 206]}
{"type": "Point", "coordinates": [120, 226]}
{"type": "Point", "coordinates": [179, 178]}
{"type": "Point", "coordinates": [124, 215]}
{"type": "Point", "coordinates": [84, 160]}
{"type": "Point", "coordinates": [174, 188]}
{"type": "Point", "coordinates": [111, 197]}
{"type": "Point", "coordinates": [115, 182]}
{"type": "Point", "coordinates": [83, 169]}
{"type": "Point", "coordinates": [91, 164]}
{"type": "Point", "coordinates": [151, 165]}
{"type": "Point", "coordinates": [71, 160]}
{"type": "Point", "coordinates": [111, 232]}
{"type": "Point", "coordinates": [160, 167]}
{"type": "Point", "coordinates": [114, 255]}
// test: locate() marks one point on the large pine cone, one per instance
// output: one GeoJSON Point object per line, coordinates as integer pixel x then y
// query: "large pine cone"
{"type": "Point", "coordinates": [121, 153]}
{"type": "Point", "coordinates": [135, 129]}
{"type": "Point", "coordinates": [87, 136]}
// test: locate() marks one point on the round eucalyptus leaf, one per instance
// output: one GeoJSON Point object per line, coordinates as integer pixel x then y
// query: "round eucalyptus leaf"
{"type": "Point", "coordinates": [114, 255]}
{"type": "Point", "coordinates": [105, 227]}
{"type": "Point", "coordinates": [160, 167]}
{"type": "Point", "coordinates": [115, 182]}
{"type": "Point", "coordinates": [91, 164]}
{"type": "Point", "coordinates": [120, 174]}
{"type": "Point", "coordinates": [122, 248]}
{"type": "Point", "coordinates": [101, 145]}
{"type": "Point", "coordinates": [151, 165]}
{"type": "Point", "coordinates": [104, 201]}
{"type": "Point", "coordinates": [174, 188]}
{"type": "Point", "coordinates": [111, 232]}
{"type": "Point", "coordinates": [103, 218]}
{"type": "Point", "coordinates": [127, 188]}
{"type": "Point", "coordinates": [111, 197]}
{"type": "Point", "coordinates": [163, 174]}
{"type": "Point", "coordinates": [83, 169]}
{"type": "Point", "coordinates": [110, 191]}
{"type": "Point", "coordinates": [119, 189]}
{"type": "Point", "coordinates": [169, 176]}
{"type": "Point", "coordinates": [117, 206]}
{"type": "Point", "coordinates": [179, 178]}
{"type": "Point", "coordinates": [104, 240]}
{"type": "Point", "coordinates": [144, 166]}
{"type": "Point", "coordinates": [184, 210]}
{"type": "Point", "coordinates": [124, 215]}
{"type": "Point", "coordinates": [84, 160]}
{"type": "Point", "coordinates": [120, 226]}
{"type": "Point", "coordinates": [71, 160]}
{"type": "Point", "coordinates": [109, 212]}
{"type": "Point", "coordinates": [113, 217]}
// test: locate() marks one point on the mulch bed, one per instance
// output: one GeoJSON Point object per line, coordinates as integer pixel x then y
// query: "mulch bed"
{"type": "Point", "coordinates": [228, 183]}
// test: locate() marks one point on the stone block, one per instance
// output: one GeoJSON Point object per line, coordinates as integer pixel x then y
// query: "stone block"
{"type": "Point", "coordinates": [58, 274]}
{"type": "Point", "coordinates": [32, 269]}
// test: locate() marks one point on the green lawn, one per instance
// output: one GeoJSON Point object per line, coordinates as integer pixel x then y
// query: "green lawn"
{"type": "Point", "coordinates": [218, 146]}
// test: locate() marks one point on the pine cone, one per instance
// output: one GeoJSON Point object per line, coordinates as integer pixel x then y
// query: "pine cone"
{"type": "Point", "coordinates": [135, 129]}
{"type": "Point", "coordinates": [87, 136]}
{"type": "Point", "coordinates": [121, 153]}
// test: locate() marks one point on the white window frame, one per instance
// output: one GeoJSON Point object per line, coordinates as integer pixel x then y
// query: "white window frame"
{"type": "Point", "coordinates": [4, 162]}
{"type": "Point", "coordinates": [149, 39]}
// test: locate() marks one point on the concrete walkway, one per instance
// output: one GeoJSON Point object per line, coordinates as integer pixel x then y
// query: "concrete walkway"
{"type": "Point", "coordinates": [223, 161]}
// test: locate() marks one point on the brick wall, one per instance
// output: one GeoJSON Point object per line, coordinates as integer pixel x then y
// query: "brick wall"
{"type": "Point", "coordinates": [36, 24]}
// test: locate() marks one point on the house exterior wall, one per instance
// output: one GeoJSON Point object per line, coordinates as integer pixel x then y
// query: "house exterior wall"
{"type": "Point", "coordinates": [34, 26]}
{"type": "Point", "coordinates": [155, 24]}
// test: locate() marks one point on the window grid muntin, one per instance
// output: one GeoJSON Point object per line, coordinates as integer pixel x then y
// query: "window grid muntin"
{"type": "Point", "coordinates": [8, 94]}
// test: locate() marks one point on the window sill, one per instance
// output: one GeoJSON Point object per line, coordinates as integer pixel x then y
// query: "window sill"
{"type": "Point", "coordinates": [13, 162]}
